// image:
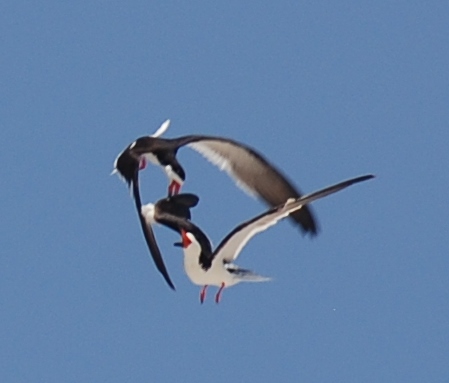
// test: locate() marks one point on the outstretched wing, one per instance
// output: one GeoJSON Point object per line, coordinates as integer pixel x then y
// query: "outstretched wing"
{"type": "Point", "coordinates": [252, 172]}
{"type": "Point", "coordinates": [233, 243]}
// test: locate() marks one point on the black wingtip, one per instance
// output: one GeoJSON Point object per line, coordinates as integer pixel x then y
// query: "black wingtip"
{"type": "Point", "coordinates": [172, 286]}
{"type": "Point", "coordinates": [306, 222]}
{"type": "Point", "coordinates": [166, 277]}
{"type": "Point", "coordinates": [304, 217]}
{"type": "Point", "coordinates": [363, 178]}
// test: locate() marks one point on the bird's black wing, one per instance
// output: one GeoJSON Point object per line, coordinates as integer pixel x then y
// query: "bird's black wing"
{"type": "Point", "coordinates": [252, 172]}
{"type": "Point", "coordinates": [233, 243]}
{"type": "Point", "coordinates": [148, 232]}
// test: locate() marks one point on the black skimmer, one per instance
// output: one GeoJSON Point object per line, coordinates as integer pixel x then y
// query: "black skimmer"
{"type": "Point", "coordinates": [251, 171]}
{"type": "Point", "coordinates": [206, 267]}
{"type": "Point", "coordinates": [171, 212]}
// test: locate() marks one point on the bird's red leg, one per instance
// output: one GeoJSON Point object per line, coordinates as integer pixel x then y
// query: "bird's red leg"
{"type": "Point", "coordinates": [142, 163]}
{"type": "Point", "coordinates": [177, 188]}
{"type": "Point", "coordinates": [173, 188]}
{"type": "Point", "coordinates": [218, 296]}
{"type": "Point", "coordinates": [203, 293]}
{"type": "Point", "coordinates": [170, 189]}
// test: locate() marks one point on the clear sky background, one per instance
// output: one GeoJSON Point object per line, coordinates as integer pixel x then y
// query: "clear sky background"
{"type": "Point", "coordinates": [327, 90]}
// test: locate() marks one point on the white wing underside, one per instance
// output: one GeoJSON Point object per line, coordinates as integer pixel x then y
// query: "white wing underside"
{"type": "Point", "coordinates": [234, 245]}
{"type": "Point", "coordinates": [230, 248]}
{"type": "Point", "coordinates": [221, 162]}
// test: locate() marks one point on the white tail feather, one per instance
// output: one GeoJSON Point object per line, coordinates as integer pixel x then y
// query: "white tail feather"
{"type": "Point", "coordinates": [251, 277]}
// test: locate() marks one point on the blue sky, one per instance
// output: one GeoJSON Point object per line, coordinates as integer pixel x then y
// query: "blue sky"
{"type": "Point", "coordinates": [326, 90]}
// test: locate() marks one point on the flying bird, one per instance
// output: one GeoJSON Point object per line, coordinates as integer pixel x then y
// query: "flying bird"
{"type": "Point", "coordinates": [251, 171]}
{"type": "Point", "coordinates": [205, 266]}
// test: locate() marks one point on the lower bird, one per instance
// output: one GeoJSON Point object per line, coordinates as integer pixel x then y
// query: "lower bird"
{"type": "Point", "coordinates": [206, 267]}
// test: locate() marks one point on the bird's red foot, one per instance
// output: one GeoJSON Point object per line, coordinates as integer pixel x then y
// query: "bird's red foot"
{"type": "Point", "coordinates": [174, 188]}
{"type": "Point", "coordinates": [218, 296]}
{"type": "Point", "coordinates": [203, 294]}
{"type": "Point", "coordinates": [142, 163]}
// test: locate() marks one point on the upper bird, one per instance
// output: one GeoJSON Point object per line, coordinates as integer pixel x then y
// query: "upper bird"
{"type": "Point", "coordinates": [251, 171]}
{"type": "Point", "coordinates": [206, 267]}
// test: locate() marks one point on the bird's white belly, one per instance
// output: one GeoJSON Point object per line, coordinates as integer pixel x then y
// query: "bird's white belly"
{"type": "Point", "coordinates": [150, 157]}
{"type": "Point", "coordinates": [214, 276]}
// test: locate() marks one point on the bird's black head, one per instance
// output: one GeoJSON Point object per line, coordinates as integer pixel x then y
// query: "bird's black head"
{"type": "Point", "coordinates": [127, 164]}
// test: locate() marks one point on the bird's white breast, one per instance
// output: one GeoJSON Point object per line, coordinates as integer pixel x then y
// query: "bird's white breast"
{"type": "Point", "coordinates": [150, 157]}
{"type": "Point", "coordinates": [215, 275]}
